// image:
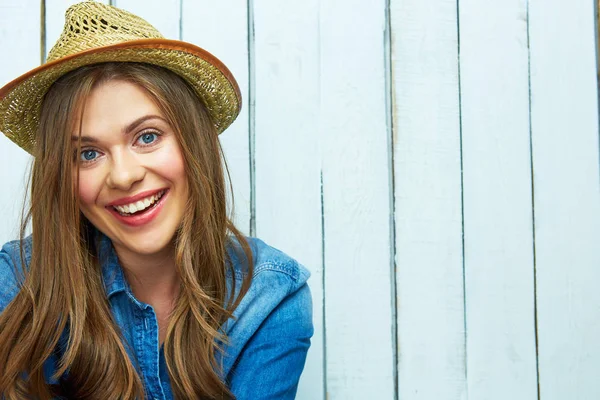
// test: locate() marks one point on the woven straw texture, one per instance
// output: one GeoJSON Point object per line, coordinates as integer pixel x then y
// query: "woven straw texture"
{"type": "Point", "coordinates": [96, 33]}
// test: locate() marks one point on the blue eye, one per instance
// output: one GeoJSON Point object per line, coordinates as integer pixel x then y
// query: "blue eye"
{"type": "Point", "coordinates": [88, 155]}
{"type": "Point", "coordinates": [148, 138]}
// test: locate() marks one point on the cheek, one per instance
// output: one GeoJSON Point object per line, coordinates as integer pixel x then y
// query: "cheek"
{"type": "Point", "coordinates": [170, 164]}
{"type": "Point", "coordinates": [88, 189]}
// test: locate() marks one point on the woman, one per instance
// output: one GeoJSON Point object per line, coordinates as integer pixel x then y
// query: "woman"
{"type": "Point", "coordinates": [134, 282]}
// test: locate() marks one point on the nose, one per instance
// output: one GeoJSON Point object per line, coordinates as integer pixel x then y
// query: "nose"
{"type": "Point", "coordinates": [125, 171]}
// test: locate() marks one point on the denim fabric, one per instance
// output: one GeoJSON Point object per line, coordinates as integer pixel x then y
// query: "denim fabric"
{"type": "Point", "coordinates": [268, 339]}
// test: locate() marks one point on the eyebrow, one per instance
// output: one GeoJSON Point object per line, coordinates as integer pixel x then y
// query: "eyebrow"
{"type": "Point", "coordinates": [127, 130]}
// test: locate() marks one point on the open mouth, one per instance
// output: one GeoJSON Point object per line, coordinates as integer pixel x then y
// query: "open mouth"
{"type": "Point", "coordinates": [140, 206]}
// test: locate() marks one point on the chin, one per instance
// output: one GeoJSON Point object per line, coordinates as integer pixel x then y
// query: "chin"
{"type": "Point", "coordinates": [149, 246]}
{"type": "Point", "coordinates": [144, 241]}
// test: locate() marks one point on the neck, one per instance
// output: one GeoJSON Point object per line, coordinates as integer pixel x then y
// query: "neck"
{"type": "Point", "coordinates": [153, 278]}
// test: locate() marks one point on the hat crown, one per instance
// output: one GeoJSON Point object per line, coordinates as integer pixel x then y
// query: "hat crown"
{"type": "Point", "coordinates": [90, 25]}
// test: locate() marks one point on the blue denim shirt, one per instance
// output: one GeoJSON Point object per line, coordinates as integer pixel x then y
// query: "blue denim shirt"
{"type": "Point", "coordinates": [268, 340]}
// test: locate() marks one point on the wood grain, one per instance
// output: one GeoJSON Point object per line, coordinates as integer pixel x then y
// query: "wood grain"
{"type": "Point", "coordinates": [288, 164]}
{"type": "Point", "coordinates": [564, 118]}
{"type": "Point", "coordinates": [20, 44]}
{"type": "Point", "coordinates": [357, 200]}
{"type": "Point", "coordinates": [164, 15]}
{"type": "Point", "coordinates": [203, 25]}
{"type": "Point", "coordinates": [428, 206]}
{"type": "Point", "coordinates": [498, 227]}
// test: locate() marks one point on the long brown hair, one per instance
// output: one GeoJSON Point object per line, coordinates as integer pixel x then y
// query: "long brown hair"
{"type": "Point", "coordinates": [63, 291]}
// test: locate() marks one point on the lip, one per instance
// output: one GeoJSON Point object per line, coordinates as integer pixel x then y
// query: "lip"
{"type": "Point", "coordinates": [145, 217]}
{"type": "Point", "coordinates": [132, 199]}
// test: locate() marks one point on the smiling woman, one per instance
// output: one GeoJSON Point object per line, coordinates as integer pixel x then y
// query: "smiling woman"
{"type": "Point", "coordinates": [134, 282]}
{"type": "Point", "coordinates": [136, 146]}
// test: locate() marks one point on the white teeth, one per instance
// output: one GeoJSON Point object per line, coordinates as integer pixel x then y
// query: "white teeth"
{"type": "Point", "coordinates": [139, 205]}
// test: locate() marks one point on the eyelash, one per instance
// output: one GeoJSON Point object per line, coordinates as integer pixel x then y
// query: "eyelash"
{"type": "Point", "coordinates": [146, 132]}
{"type": "Point", "coordinates": [137, 139]}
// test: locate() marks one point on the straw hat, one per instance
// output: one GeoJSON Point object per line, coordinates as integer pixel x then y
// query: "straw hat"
{"type": "Point", "coordinates": [95, 33]}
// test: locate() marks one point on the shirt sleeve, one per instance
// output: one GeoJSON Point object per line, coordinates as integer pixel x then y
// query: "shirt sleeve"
{"type": "Point", "coordinates": [8, 282]}
{"type": "Point", "coordinates": [271, 362]}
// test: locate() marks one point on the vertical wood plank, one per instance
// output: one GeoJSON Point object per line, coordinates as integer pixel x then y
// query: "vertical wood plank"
{"type": "Point", "coordinates": [288, 188]}
{"type": "Point", "coordinates": [357, 197]}
{"type": "Point", "coordinates": [564, 115]}
{"type": "Point", "coordinates": [203, 25]}
{"type": "Point", "coordinates": [55, 19]}
{"type": "Point", "coordinates": [498, 227]}
{"type": "Point", "coordinates": [164, 15]}
{"type": "Point", "coordinates": [20, 38]}
{"type": "Point", "coordinates": [428, 206]}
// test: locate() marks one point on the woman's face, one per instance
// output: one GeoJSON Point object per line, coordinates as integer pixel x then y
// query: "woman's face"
{"type": "Point", "coordinates": [132, 183]}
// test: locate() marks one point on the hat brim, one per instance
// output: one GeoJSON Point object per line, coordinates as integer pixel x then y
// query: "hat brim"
{"type": "Point", "coordinates": [21, 99]}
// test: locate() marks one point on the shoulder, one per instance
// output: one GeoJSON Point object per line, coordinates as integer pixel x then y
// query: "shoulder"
{"type": "Point", "coordinates": [278, 300]}
{"type": "Point", "coordinates": [276, 277]}
{"type": "Point", "coordinates": [11, 269]}
{"type": "Point", "coordinates": [268, 261]}
{"type": "Point", "coordinates": [268, 258]}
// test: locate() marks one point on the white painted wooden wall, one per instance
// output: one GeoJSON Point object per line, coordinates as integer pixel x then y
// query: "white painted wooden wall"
{"type": "Point", "coordinates": [435, 164]}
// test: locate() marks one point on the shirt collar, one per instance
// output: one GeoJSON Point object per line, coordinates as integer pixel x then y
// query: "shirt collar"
{"type": "Point", "coordinates": [112, 274]}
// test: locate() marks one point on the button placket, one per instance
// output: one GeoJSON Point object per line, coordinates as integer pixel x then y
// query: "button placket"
{"type": "Point", "coordinates": [153, 356]}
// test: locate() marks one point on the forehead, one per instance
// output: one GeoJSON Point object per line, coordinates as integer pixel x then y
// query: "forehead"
{"type": "Point", "coordinates": [112, 106]}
